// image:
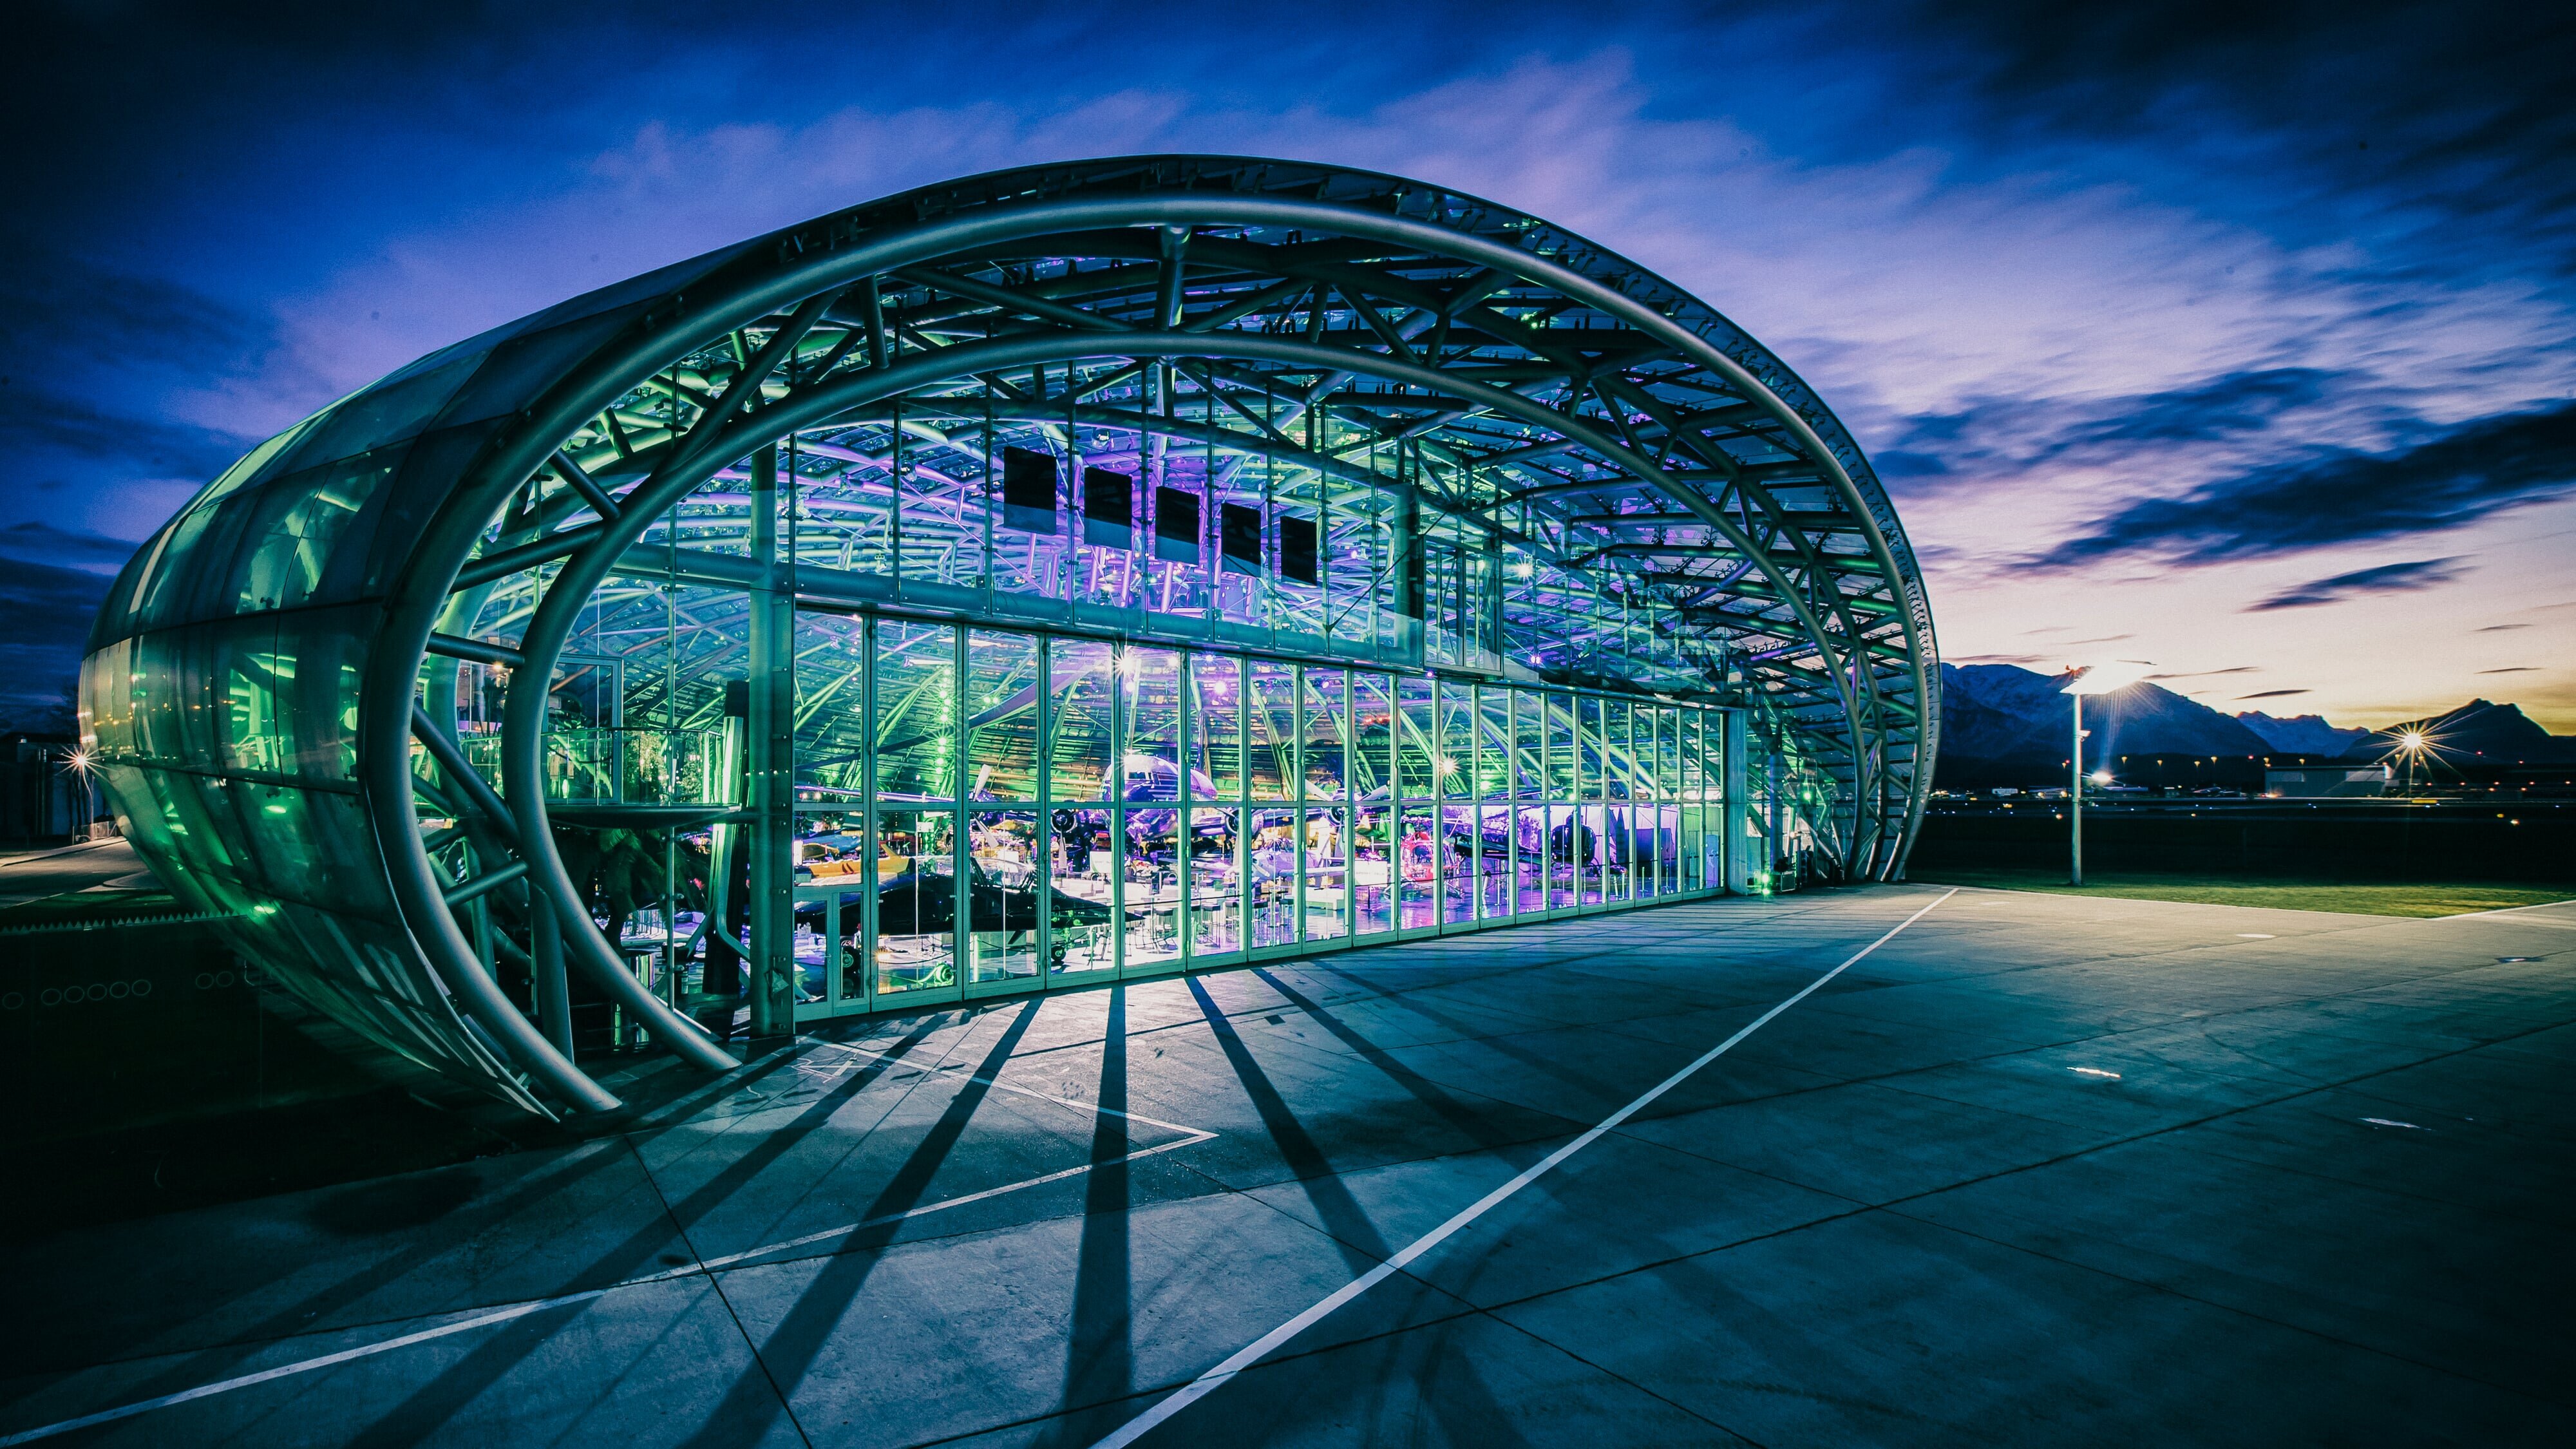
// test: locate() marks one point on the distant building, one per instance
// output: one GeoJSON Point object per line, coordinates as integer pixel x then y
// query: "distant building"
{"type": "Point", "coordinates": [43, 797]}
{"type": "Point", "coordinates": [2180, 772]}
{"type": "Point", "coordinates": [2319, 782]}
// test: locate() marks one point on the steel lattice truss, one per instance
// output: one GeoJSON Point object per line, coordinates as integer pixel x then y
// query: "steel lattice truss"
{"type": "Point", "coordinates": [1526, 459]}
{"type": "Point", "coordinates": [1674, 508]}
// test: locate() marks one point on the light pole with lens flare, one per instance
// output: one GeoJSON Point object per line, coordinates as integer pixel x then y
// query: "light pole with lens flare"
{"type": "Point", "coordinates": [2411, 745]}
{"type": "Point", "coordinates": [2108, 678]}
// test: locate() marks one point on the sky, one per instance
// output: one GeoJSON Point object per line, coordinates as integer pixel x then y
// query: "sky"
{"type": "Point", "coordinates": [2231, 337]}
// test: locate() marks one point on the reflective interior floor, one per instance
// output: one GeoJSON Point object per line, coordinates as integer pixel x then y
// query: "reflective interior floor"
{"type": "Point", "coordinates": [2040, 1169]}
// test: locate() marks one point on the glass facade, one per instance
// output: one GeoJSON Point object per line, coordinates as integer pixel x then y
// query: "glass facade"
{"type": "Point", "coordinates": [1049, 810]}
{"type": "Point", "coordinates": [961, 594]}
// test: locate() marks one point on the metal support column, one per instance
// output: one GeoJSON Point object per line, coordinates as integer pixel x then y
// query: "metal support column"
{"type": "Point", "coordinates": [772, 987]}
{"type": "Point", "coordinates": [1407, 563]}
{"type": "Point", "coordinates": [2075, 797]}
{"type": "Point", "coordinates": [554, 995]}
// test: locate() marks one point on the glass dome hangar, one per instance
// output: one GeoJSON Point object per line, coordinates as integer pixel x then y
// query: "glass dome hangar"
{"type": "Point", "coordinates": [1073, 573]}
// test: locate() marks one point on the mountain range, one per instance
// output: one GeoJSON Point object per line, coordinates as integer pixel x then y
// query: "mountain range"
{"type": "Point", "coordinates": [2002, 724]}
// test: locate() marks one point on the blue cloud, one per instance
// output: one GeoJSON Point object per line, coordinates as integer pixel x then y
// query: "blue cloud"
{"type": "Point", "coordinates": [2385, 579]}
{"type": "Point", "coordinates": [2340, 497]}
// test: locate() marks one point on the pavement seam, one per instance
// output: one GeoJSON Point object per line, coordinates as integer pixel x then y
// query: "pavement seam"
{"type": "Point", "coordinates": [1469, 974]}
{"type": "Point", "coordinates": [715, 1281]}
{"type": "Point", "coordinates": [783, 1061]}
{"type": "Point", "coordinates": [1893, 1206]}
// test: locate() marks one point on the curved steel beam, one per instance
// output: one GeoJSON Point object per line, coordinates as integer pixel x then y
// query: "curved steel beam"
{"type": "Point", "coordinates": [788, 272]}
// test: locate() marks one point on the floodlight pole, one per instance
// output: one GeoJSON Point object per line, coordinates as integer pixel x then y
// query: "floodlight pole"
{"type": "Point", "coordinates": [2075, 796]}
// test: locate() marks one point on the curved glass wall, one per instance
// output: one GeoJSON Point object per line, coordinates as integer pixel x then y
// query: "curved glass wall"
{"type": "Point", "coordinates": [1045, 577]}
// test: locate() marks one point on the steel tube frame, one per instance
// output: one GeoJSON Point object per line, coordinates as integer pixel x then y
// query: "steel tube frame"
{"type": "Point", "coordinates": [803, 271]}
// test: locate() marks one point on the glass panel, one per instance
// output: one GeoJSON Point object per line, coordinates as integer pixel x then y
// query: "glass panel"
{"type": "Point", "coordinates": [1560, 747]}
{"type": "Point", "coordinates": [1712, 757]}
{"type": "Point", "coordinates": [1646, 856]}
{"type": "Point", "coordinates": [1026, 545]}
{"type": "Point", "coordinates": [1372, 761]}
{"type": "Point", "coordinates": [1460, 850]}
{"type": "Point", "coordinates": [1494, 862]}
{"type": "Point", "coordinates": [1273, 853]}
{"type": "Point", "coordinates": [1080, 678]}
{"type": "Point", "coordinates": [1529, 741]}
{"type": "Point", "coordinates": [1003, 889]}
{"type": "Point", "coordinates": [1150, 904]}
{"type": "Point", "coordinates": [916, 900]}
{"type": "Point", "coordinates": [1373, 866]}
{"type": "Point", "coordinates": [1618, 847]}
{"type": "Point", "coordinates": [1620, 719]}
{"type": "Point", "coordinates": [1714, 845]}
{"type": "Point", "coordinates": [1686, 775]}
{"type": "Point", "coordinates": [1529, 859]}
{"type": "Point", "coordinates": [916, 723]}
{"type": "Point", "coordinates": [1297, 607]}
{"type": "Point", "coordinates": [1216, 881]}
{"type": "Point", "coordinates": [1642, 720]}
{"type": "Point", "coordinates": [291, 530]}
{"type": "Point", "coordinates": [832, 879]}
{"type": "Point", "coordinates": [1080, 868]}
{"type": "Point", "coordinates": [1001, 716]}
{"type": "Point", "coordinates": [1668, 754]}
{"type": "Point", "coordinates": [1326, 717]}
{"type": "Point", "coordinates": [1104, 570]}
{"type": "Point", "coordinates": [1566, 851]}
{"type": "Point", "coordinates": [1689, 848]}
{"type": "Point", "coordinates": [1588, 852]}
{"type": "Point", "coordinates": [1587, 750]}
{"type": "Point", "coordinates": [939, 519]}
{"type": "Point", "coordinates": [1216, 704]}
{"type": "Point", "coordinates": [1151, 768]}
{"type": "Point", "coordinates": [1359, 543]}
{"type": "Point", "coordinates": [1456, 764]}
{"type": "Point", "coordinates": [1637, 758]}
{"type": "Point", "coordinates": [1328, 896]}
{"type": "Point", "coordinates": [1494, 744]}
{"type": "Point", "coordinates": [1417, 740]}
{"type": "Point", "coordinates": [1617, 753]}
{"type": "Point", "coordinates": [1668, 878]}
{"type": "Point", "coordinates": [1417, 870]}
{"type": "Point", "coordinates": [1271, 731]}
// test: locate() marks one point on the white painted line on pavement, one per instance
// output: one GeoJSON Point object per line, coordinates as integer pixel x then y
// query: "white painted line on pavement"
{"type": "Point", "coordinates": [2502, 911]}
{"type": "Point", "coordinates": [1252, 1353]}
{"type": "Point", "coordinates": [202, 1391]}
{"type": "Point", "coordinates": [1192, 1136]}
